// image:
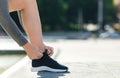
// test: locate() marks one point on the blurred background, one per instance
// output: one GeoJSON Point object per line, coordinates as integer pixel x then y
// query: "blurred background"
{"type": "Point", "coordinates": [83, 16]}
{"type": "Point", "coordinates": [77, 20]}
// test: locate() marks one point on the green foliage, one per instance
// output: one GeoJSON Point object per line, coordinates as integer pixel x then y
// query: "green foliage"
{"type": "Point", "coordinates": [109, 11]}
{"type": "Point", "coordinates": [52, 13]}
{"type": "Point", "coordinates": [59, 14]}
{"type": "Point", "coordinates": [62, 15]}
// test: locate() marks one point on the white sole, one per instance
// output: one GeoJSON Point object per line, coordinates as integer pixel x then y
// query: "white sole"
{"type": "Point", "coordinates": [45, 68]}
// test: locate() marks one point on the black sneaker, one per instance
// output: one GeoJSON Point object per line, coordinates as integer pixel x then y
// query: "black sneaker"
{"type": "Point", "coordinates": [46, 63]}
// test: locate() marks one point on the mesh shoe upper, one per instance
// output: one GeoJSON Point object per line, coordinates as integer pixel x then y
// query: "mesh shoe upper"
{"type": "Point", "coordinates": [46, 60]}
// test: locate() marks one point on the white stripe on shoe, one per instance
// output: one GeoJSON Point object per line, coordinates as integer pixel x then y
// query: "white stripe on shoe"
{"type": "Point", "coordinates": [45, 68]}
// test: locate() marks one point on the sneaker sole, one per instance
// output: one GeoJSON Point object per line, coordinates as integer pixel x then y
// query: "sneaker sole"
{"type": "Point", "coordinates": [45, 68]}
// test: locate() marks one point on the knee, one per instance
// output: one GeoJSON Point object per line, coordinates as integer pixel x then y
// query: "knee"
{"type": "Point", "coordinates": [4, 18]}
{"type": "Point", "coordinates": [4, 15]}
{"type": "Point", "coordinates": [3, 12]}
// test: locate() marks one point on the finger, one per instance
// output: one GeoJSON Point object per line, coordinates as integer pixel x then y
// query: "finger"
{"type": "Point", "coordinates": [51, 48]}
{"type": "Point", "coordinates": [52, 52]}
{"type": "Point", "coordinates": [49, 51]}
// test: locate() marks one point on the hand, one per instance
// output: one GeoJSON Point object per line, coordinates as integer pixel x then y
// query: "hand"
{"type": "Point", "coordinates": [32, 51]}
{"type": "Point", "coordinates": [49, 49]}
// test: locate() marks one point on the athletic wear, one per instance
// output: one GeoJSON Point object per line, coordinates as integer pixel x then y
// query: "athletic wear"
{"type": "Point", "coordinates": [9, 25]}
{"type": "Point", "coordinates": [47, 64]}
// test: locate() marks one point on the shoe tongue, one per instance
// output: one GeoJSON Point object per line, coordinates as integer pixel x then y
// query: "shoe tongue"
{"type": "Point", "coordinates": [45, 52]}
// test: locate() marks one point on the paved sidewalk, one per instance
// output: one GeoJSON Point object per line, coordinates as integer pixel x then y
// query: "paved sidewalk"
{"type": "Point", "coordinates": [88, 59]}
{"type": "Point", "coordinates": [85, 59]}
{"type": "Point", "coordinates": [86, 70]}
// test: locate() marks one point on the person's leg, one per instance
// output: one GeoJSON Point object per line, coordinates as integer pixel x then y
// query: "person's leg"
{"type": "Point", "coordinates": [9, 25]}
{"type": "Point", "coordinates": [11, 28]}
{"type": "Point", "coordinates": [32, 26]}
{"type": "Point", "coordinates": [31, 21]}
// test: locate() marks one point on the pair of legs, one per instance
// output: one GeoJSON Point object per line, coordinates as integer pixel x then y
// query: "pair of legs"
{"type": "Point", "coordinates": [30, 19]}
{"type": "Point", "coordinates": [31, 23]}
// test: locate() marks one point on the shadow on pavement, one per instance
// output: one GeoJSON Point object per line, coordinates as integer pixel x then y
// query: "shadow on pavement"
{"type": "Point", "coordinates": [51, 75]}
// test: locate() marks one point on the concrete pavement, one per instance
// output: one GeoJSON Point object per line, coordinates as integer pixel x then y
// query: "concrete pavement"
{"type": "Point", "coordinates": [89, 51]}
{"type": "Point", "coordinates": [88, 59]}
{"type": "Point", "coordinates": [85, 59]}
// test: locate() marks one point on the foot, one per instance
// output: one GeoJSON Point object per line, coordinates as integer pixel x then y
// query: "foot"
{"type": "Point", "coordinates": [47, 64]}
